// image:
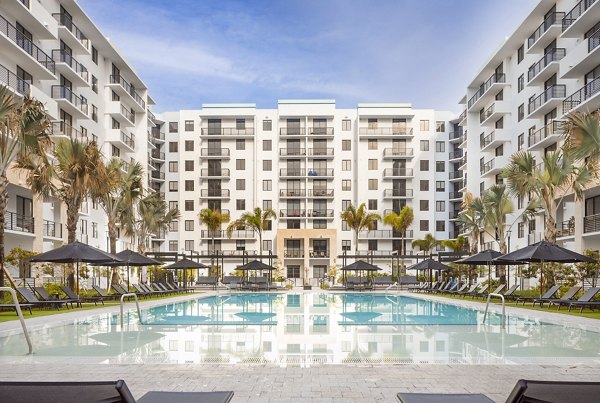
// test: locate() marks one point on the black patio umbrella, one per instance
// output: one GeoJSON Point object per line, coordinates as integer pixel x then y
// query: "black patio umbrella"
{"type": "Point", "coordinates": [542, 252]}
{"type": "Point", "coordinates": [360, 266]}
{"type": "Point", "coordinates": [487, 257]}
{"type": "Point", "coordinates": [76, 252]}
{"type": "Point", "coordinates": [131, 258]}
{"type": "Point", "coordinates": [186, 263]}
{"type": "Point", "coordinates": [431, 265]}
{"type": "Point", "coordinates": [255, 265]}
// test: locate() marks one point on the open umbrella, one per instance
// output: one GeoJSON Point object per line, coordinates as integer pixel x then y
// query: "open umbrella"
{"type": "Point", "coordinates": [431, 265]}
{"type": "Point", "coordinates": [76, 252]}
{"type": "Point", "coordinates": [131, 258]}
{"type": "Point", "coordinates": [484, 257]}
{"type": "Point", "coordinates": [542, 252]}
{"type": "Point", "coordinates": [360, 266]}
{"type": "Point", "coordinates": [256, 265]}
{"type": "Point", "coordinates": [186, 263]}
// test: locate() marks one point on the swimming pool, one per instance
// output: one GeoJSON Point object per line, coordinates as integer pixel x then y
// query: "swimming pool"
{"type": "Point", "coordinates": [306, 329]}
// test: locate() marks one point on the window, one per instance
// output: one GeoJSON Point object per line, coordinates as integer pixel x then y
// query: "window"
{"type": "Point", "coordinates": [173, 205]}
{"type": "Point", "coordinates": [440, 186]}
{"type": "Point", "coordinates": [372, 164]}
{"type": "Point", "coordinates": [320, 224]}
{"type": "Point", "coordinates": [346, 125]}
{"type": "Point", "coordinates": [267, 185]}
{"type": "Point", "coordinates": [189, 165]}
{"type": "Point", "coordinates": [267, 165]}
{"type": "Point", "coordinates": [424, 145]}
{"type": "Point", "coordinates": [372, 184]}
{"type": "Point", "coordinates": [440, 147]}
{"type": "Point", "coordinates": [346, 204]}
{"type": "Point", "coordinates": [345, 226]}
{"type": "Point", "coordinates": [521, 83]}
{"type": "Point", "coordinates": [346, 145]}
{"type": "Point", "coordinates": [173, 186]}
{"type": "Point", "coordinates": [346, 184]}
{"type": "Point", "coordinates": [173, 166]}
{"type": "Point", "coordinates": [267, 245]}
{"type": "Point", "coordinates": [116, 152]}
{"type": "Point", "coordinates": [173, 127]}
{"type": "Point", "coordinates": [424, 205]}
{"type": "Point", "coordinates": [269, 225]}
{"type": "Point", "coordinates": [346, 165]}
{"type": "Point", "coordinates": [520, 141]}
{"type": "Point", "coordinates": [293, 272]}
{"type": "Point", "coordinates": [115, 96]}
{"type": "Point", "coordinates": [346, 245]}
{"type": "Point", "coordinates": [95, 230]}
{"type": "Point", "coordinates": [424, 225]}
{"type": "Point", "coordinates": [94, 113]}
{"type": "Point", "coordinates": [267, 145]}
{"type": "Point", "coordinates": [189, 225]}
{"type": "Point", "coordinates": [189, 244]}
{"type": "Point", "coordinates": [240, 144]}
{"type": "Point", "coordinates": [499, 150]}
{"type": "Point", "coordinates": [424, 165]}
{"type": "Point", "coordinates": [189, 205]}
{"type": "Point", "coordinates": [520, 54]}
{"type": "Point", "coordinates": [240, 164]}
{"type": "Point", "coordinates": [424, 185]}
{"type": "Point", "coordinates": [240, 184]}
{"type": "Point", "coordinates": [173, 226]}
{"type": "Point", "coordinates": [240, 204]}
{"type": "Point", "coordinates": [499, 123]}
{"type": "Point", "coordinates": [189, 125]}
{"type": "Point", "coordinates": [173, 246]}
{"type": "Point", "coordinates": [189, 145]}
{"type": "Point", "coordinates": [267, 125]}
{"type": "Point", "coordinates": [521, 112]}
{"type": "Point", "coordinates": [95, 55]}
{"type": "Point", "coordinates": [372, 123]}
{"type": "Point", "coordinates": [94, 84]}
{"type": "Point", "coordinates": [440, 207]}
{"type": "Point", "coordinates": [372, 144]}
{"type": "Point", "coordinates": [267, 204]}
{"type": "Point", "coordinates": [440, 226]}
{"type": "Point", "coordinates": [440, 127]}
{"type": "Point", "coordinates": [173, 146]}
{"type": "Point", "coordinates": [372, 244]}
{"type": "Point", "coordinates": [424, 125]}
{"type": "Point", "coordinates": [372, 204]}
{"type": "Point", "coordinates": [189, 185]}
{"type": "Point", "coordinates": [521, 230]}
{"type": "Point", "coordinates": [440, 166]}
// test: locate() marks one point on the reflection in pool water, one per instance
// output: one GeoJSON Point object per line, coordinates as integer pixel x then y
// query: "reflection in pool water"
{"type": "Point", "coordinates": [306, 329]}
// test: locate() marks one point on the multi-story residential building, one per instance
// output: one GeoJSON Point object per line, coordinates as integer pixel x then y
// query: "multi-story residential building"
{"type": "Point", "coordinates": [549, 67]}
{"type": "Point", "coordinates": [308, 161]}
{"type": "Point", "coordinates": [52, 51]}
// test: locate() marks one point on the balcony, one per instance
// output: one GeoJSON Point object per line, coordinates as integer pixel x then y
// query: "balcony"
{"type": "Point", "coordinates": [231, 132]}
{"type": "Point", "coordinates": [292, 131]}
{"type": "Point", "coordinates": [158, 175]}
{"type": "Point", "coordinates": [124, 88]}
{"type": "Point", "coordinates": [292, 193]}
{"type": "Point", "coordinates": [321, 152]}
{"type": "Point", "coordinates": [396, 153]}
{"type": "Point", "coordinates": [545, 136]}
{"type": "Point", "coordinates": [385, 234]}
{"type": "Point", "coordinates": [292, 152]}
{"type": "Point", "coordinates": [456, 154]}
{"type": "Point", "coordinates": [583, 58]}
{"type": "Point", "coordinates": [546, 67]}
{"type": "Point", "coordinates": [320, 131]}
{"type": "Point", "coordinates": [456, 175]}
{"type": "Point", "coordinates": [580, 18]}
{"type": "Point", "coordinates": [33, 15]}
{"type": "Point", "coordinates": [548, 30]}
{"type": "Point", "coordinates": [493, 139]}
{"type": "Point", "coordinates": [52, 229]}
{"type": "Point", "coordinates": [66, 131]}
{"type": "Point", "coordinates": [215, 173]}
{"type": "Point", "coordinates": [18, 223]}
{"type": "Point", "coordinates": [69, 67]}
{"type": "Point", "coordinates": [566, 229]}
{"type": "Point", "coordinates": [453, 215]}
{"type": "Point", "coordinates": [591, 223]}
{"type": "Point", "coordinates": [214, 193]}
{"type": "Point", "coordinates": [158, 155]}
{"type": "Point", "coordinates": [156, 135]}
{"type": "Point", "coordinates": [320, 172]}
{"type": "Point", "coordinates": [494, 112]}
{"type": "Point", "coordinates": [293, 254]}
{"type": "Point", "coordinates": [455, 196]}
{"type": "Point", "coordinates": [320, 213]}
{"type": "Point", "coordinates": [126, 165]}
{"type": "Point", "coordinates": [462, 118]}
{"type": "Point", "coordinates": [397, 173]}
{"type": "Point", "coordinates": [219, 153]}
{"type": "Point", "coordinates": [118, 111]}
{"type": "Point", "coordinates": [463, 142]}
{"type": "Point", "coordinates": [121, 138]}
{"type": "Point", "coordinates": [292, 213]}
{"type": "Point", "coordinates": [547, 100]}
{"type": "Point", "coordinates": [455, 137]}
{"type": "Point", "coordinates": [318, 254]}
{"type": "Point", "coordinates": [10, 79]}
{"type": "Point", "coordinates": [486, 167]}
{"type": "Point", "coordinates": [586, 98]}
{"type": "Point", "coordinates": [292, 172]}
{"type": "Point", "coordinates": [483, 93]}
{"type": "Point", "coordinates": [397, 193]}
{"type": "Point", "coordinates": [29, 56]}
{"type": "Point", "coordinates": [385, 132]}
{"type": "Point", "coordinates": [71, 34]}
{"type": "Point", "coordinates": [534, 237]}
{"type": "Point", "coordinates": [222, 234]}
{"type": "Point", "coordinates": [69, 101]}
{"type": "Point", "coordinates": [321, 193]}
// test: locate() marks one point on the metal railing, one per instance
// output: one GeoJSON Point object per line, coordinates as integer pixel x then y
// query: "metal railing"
{"type": "Point", "coordinates": [156, 133]}
{"type": "Point", "coordinates": [293, 152]}
{"type": "Point", "coordinates": [594, 41]}
{"type": "Point", "coordinates": [137, 304]}
{"type": "Point", "coordinates": [455, 154]}
{"type": "Point", "coordinates": [554, 127]}
{"type": "Point", "coordinates": [387, 131]}
{"type": "Point", "coordinates": [220, 193]}
{"type": "Point", "coordinates": [320, 131]}
{"type": "Point", "coordinates": [67, 22]}
{"type": "Point", "coordinates": [321, 151]}
{"type": "Point", "coordinates": [552, 19]}
{"type": "Point", "coordinates": [575, 13]}
{"type": "Point", "coordinates": [52, 229]}
{"type": "Point", "coordinates": [398, 152]}
{"type": "Point", "coordinates": [553, 55]}
{"type": "Point", "coordinates": [318, 253]}
{"type": "Point", "coordinates": [487, 305]}
{"type": "Point", "coordinates": [385, 234]}
{"type": "Point", "coordinates": [453, 215]}
{"type": "Point", "coordinates": [566, 228]}
{"type": "Point", "coordinates": [582, 95]}
{"type": "Point", "coordinates": [62, 92]}
{"type": "Point", "coordinates": [297, 213]}
{"type": "Point", "coordinates": [236, 234]}
{"type": "Point", "coordinates": [319, 172]}
{"type": "Point", "coordinates": [293, 253]}
{"type": "Point", "coordinates": [494, 79]}
{"type": "Point", "coordinates": [26, 44]}
{"type": "Point", "coordinates": [455, 135]}
{"type": "Point", "coordinates": [128, 140]}
{"type": "Point", "coordinates": [591, 223]}
{"type": "Point", "coordinates": [292, 131]}
{"type": "Point", "coordinates": [291, 172]}
{"type": "Point", "coordinates": [292, 192]}
{"type": "Point", "coordinates": [18, 222]}
{"type": "Point", "coordinates": [158, 175]}
{"type": "Point", "coordinates": [227, 131]}
{"type": "Point", "coordinates": [485, 141]}
{"type": "Point", "coordinates": [462, 116]}
{"type": "Point", "coordinates": [486, 167]}
{"type": "Point", "coordinates": [61, 56]}
{"type": "Point", "coordinates": [320, 192]}
{"type": "Point", "coordinates": [487, 113]}
{"type": "Point", "coordinates": [455, 195]}
{"type": "Point", "coordinates": [159, 155]}
{"type": "Point", "coordinates": [320, 213]}
{"type": "Point", "coordinates": [214, 152]}
{"type": "Point", "coordinates": [534, 237]}
{"type": "Point", "coordinates": [15, 300]}
{"type": "Point", "coordinates": [554, 92]}
{"type": "Point", "coordinates": [12, 80]}
{"type": "Point", "coordinates": [65, 129]}
{"type": "Point", "coordinates": [129, 115]}
{"type": "Point", "coordinates": [455, 175]}
{"type": "Point", "coordinates": [398, 193]}
{"type": "Point", "coordinates": [215, 172]}
{"type": "Point", "coordinates": [129, 88]}
{"type": "Point", "coordinates": [390, 172]}
{"type": "Point", "coordinates": [25, 3]}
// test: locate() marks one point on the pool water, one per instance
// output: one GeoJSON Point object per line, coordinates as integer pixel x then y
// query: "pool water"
{"type": "Point", "coordinates": [306, 329]}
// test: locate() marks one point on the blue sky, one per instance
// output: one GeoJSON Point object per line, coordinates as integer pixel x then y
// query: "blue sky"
{"type": "Point", "coordinates": [191, 52]}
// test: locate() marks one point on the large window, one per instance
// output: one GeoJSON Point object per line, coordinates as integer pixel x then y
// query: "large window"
{"type": "Point", "coordinates": [346, 125]}
{"type": "Point", "coordinates": [189, 225]}
{"type": "Point", "coordinates": [189, 125]}
{"type": "Point", "coordinates": [440, 126]}
{"type": "Point", "coordinates": [267, 125]}
{"type": "Point", "coordinates": [424, 125]}
{"type": "Point", "coordinates": [293, 271]}
{"type": "Point", "coordinates": [173, 127]}
{"type": "Point", "coordinates": [173, 166]}
{"type": "Point", "coordinates": [189, 185]}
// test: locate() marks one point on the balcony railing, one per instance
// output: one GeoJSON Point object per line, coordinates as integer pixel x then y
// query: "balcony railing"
{"type": "Point", "coordinates": [293, 253]}
{"type": "Point", "coordinates": [554, 127]}
{"type": "Point", "coordinates": [398, 152]}
{"type": "Point", "coordinates": [291, 172]}
{"type": "Point", "coordinates": [455, 135]}
{"type": "Point", "coordinates": [321, 151]}
{"type": "Point", "coordinates": [129, 115]}
{"type": "Point", "coordinates": [453, 215]}
{"type": "Point", "coordinates": [556, 91]}
{"type": "Point", "coordinates": [582, 95]}
{"type": "Point", "coordinates": [455, 195]}
{"type": "Point", "coordinates": [66, 21]}
{"type": "Point", "coordinates": [60, 56]}
{"type": "Point", "coordinates": [566, 228]}
{"type": "Point", "coordinates": [227, 131]}
{"type": "Point", "coordinates": [158, 175]}
{"type": "Point", "coordinates": [62, 92]}
{"type": "Point", "coordinates": [292, 131]}
{"type": "Point", "coordinates": [237, 234]}
{"type": "Point", "coordinates": [317, 254]}
{"type": "Point", "coordinates": [591, 223]}
{"type": "Point", "coordinates": [385, 234]}
{"type": "Point", "coordinates": [320, 131]}
{"type": "Point", "coordinates": [25, 3]}
{"type": "Point", "coordinates": [320, 172]}
{"type": "Point", "coordinates": [398, 172]}
{"type": "Point", "coordinates": [575, 13]}
{"type": "Point", "coordinates": [18, 222]}
{"type": "Point", "coordinates": [129, 141]}
{"type": "Point", "coordinates": [495, 78]}
{"type": "Point", "coordinates": [156, 133]}
{"type": "Point", "coordinates": [294, 213]}
{"type": "Point", "coordinates": [26, 44]}
{"type": "Point", "coordinates": [594, 40]}
{"type": "Point", "coordinates": [387, 131]}
{"type": "Point", "coordinates": [12, 80]}
{"type": "Point", "coordinates": [214, 172]}
{"type": "Point", "coordinates": [487, 113]}
{"type": "Point", "coordinates": [553, 55]}
{"type": "Point", "coordinates": [130, 89]}
{"type": "Point", "coordinates": [292, 152]}
{"type": "Point", "coordinates": [534, 237]}
{"type": "Point", "coordinates": [292, 192]}
{"type": "Point", "coordinates": [65, 129]}
{"type": "Point", "coordinates": [485, 141]}
{"type": "Point", "coordinates": [486, 167]}
{"type": "Point", "coordinates": [455, 174]}
{"type": "Point", "coordinates": [52, 229]}
{"type": "Point", "coordinates": [320, 192]}
{"type": "Point", "coordinates": [552, 19]}
{"type": "Point", "coordinates": [214, 193]}
{"type": "Point", "coordinates": [214, 152]}
{"type": "Point", "coordinates": [159, 155]}
{"type": "Point", "coordinates": [398, 193]}
{"type": "Point", "coordinates": [455, 154]}
{"type": "Point", "coordinates": [320, 213]}
{"type": "Point", "coordinates": [462, 116]}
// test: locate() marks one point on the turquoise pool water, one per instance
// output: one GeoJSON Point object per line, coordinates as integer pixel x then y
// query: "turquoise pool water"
{"type": "Point", "coordinates": [306, 329]}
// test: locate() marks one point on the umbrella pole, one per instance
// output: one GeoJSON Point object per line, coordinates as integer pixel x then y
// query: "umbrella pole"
{"type": "Point", "coordinates": [128, 284]}
{"type": "Point", "coordinates": [489, 275]}
{"type": "Point", "coordinates": [77, 278]}
{"type": "Point", "coordinates": [541, 279]}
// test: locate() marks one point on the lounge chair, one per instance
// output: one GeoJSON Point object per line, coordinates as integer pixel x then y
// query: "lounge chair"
{"type": "Point", "coordinates": [30, 298]}
{"type": "Point", "coordinates": [170, 287]}
{"type": "Point", "coordinates": [207, 280]}
{"type": "Point", "coordinates": [383, 281]}
{"type": "Point", "coordinates": [583, 301]}
{"type": "Point", "coordinates": [14, 307]}
{"type": "Point", "coordinates": [71, 295]}
{"type": "Point", "coordinates": [233, 282]}
{"type": "Point", "coordinates": [469, 291]}
{"type": "Point", "coordinates": [484, 294]}
{"type": "Point", "coordinates": [461, 289]}
{"type": "Point", "coordinates": [440, 285]}
{"type": "Point", "coordinates": [510, 293]}
{"type": "Point", "coordinates": [443, 398]}
{"type": "Point", "coordinates": [407, 280]}
{"type": "Point", "coordinates": [75, 392]}
{"type": "Point", "coordinates": [547, 295]}
{"type": "Point", "coordinates": [554, 391]}
{"type": "Point", "coordinates": [45, 296]}
{"type": "Point", "coordinates": [161, 287]}
{"type": "Point", "coordinates": [153, 291]}
{"type": "Point", "coordinates": [139, 291]}
{"type": "Point", "coordinates": [475, 293]}
{"type": "Point", "coordinates": [177, 287]}
{"type": "Point", "coordinates": [568, 297]}
{"type": "Point", "coordinates": [103, 293]}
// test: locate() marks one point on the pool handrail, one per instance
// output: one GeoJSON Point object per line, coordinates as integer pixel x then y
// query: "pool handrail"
{"type": "Point", "coordinates": [134, 295]}
{"type": "Point", "coordinates": [20, 315]}
{"type": "Point", "coordinates": [503, 321]}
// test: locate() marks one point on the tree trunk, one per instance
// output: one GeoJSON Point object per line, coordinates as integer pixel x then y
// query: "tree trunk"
{"type": "Point", "coordinates": [550, 230]}
{"type": "Point", "coordinates": [3, 201]}
{"type": "Point", "coordinates": [72, 216]}
{"type": "Point", "coordinates": [212, 261]}
{"type": "Point", "coordinates": [112, 239]}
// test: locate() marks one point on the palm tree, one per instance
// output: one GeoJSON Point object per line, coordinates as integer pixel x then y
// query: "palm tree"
{"type": "Point", "coordinates": [153, 217]}
{"type": "Point", "coordinates": [583, 135]}
{"type": "Point", "coordinates": [359, 220]}
{"type": "Point", "coordinates": [547, 186]}
{"type": "Point", "coordinates": [400, 223]}
{"type": "Point", "coordinates": [459, 244]}
{"type": "Point", "coordinates": [498, 205]}
{"type": "Point", "coordinates": [257, 221]}
{"type": "Point", "coordinates": [427, 244]}
{"type": "Point", "coordinates": [471, 219]}
{"type": "Point", "coordinates": [213, 221]}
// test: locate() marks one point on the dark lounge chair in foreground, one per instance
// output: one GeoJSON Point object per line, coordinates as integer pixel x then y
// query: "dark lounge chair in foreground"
{"type": "Point", "coordinates": [103, 293]}
{"type": "Point", "coordinates": [510, 293]}
{"type": "Point", "coordinates": [107, 391]}
{"type": "Point", "coordinates": [584, 300]}
{"type": "Point", "coordinates": [71, 295]}
{"type": "Point", "coordinates": [547, 295]}
{"type": "Point", "coordinates": [33, 300]}
{"type": "Point", "coordinates": [45, 296]}
{"type": "Point", "coordinates": [568, 297]}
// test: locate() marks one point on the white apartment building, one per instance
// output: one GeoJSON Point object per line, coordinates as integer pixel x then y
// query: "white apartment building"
{"type": "Point", "coordinates": [51, 50]}
{"type": "Point", "coordinates": [548, 67]}
{"type": "Point", "coordinates": [307, 160]}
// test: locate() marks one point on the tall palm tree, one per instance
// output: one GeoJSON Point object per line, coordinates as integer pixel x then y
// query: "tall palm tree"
{"type": "Point", "coordinates": [400, 223]}
{"type": "Point", "coordinates": [548, 185]}
{"type": "Point", "coordinates": [458, 244]}
{"type": "Point", "coordinates": [359, 219]}
{"type": "Point", "coordinates": [153, 217]}
{"type": "Point", "coordinates": [472, 219]}
{"type": "Point", "coordinates": [583, 135]}
{"type": "Point", "coordinates": [427, 244]}
{"type": "Point", "coordinates": [498, 205]}
{"type": "Point", "coordinates": [213, 221]}
{"type": "Point", "coordinates": [257, 221]}
{"type": "Point", "coordinates": [24, 128]}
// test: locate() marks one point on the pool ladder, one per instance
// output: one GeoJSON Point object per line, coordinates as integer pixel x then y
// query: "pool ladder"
{"type": "Point", "coordinates": [20, 315]}
{"type": "Point", "coordinates": [503, 321]}
{"type": "Point", "coordinates": [131, 294]}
